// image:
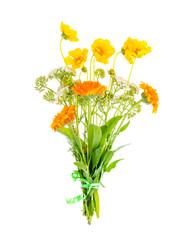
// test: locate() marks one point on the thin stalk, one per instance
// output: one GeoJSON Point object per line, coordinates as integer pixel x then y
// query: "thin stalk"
{"type": "Point", "coordinates": [115, 59]}
{"type": "Point", "coordinates": [103, 111]}
{"type": "Point", "coordinates": [87, 75]}
{"type": "Point", "coordinates": [110, 87]}
{"type": "Point", "coordinates": [62, 52]}
{"type": "Point", "coordinates": [125, 89]}
{"type": "Point", "coordinates": [50, 89]}
{"type": "Point", "coordinates": [110, 81]}
{"type": "Point", "coordinates": [91, 67]}
{"type": "Point", "coordinates": [118, 130]}
{"type": "Point", "coordinates": [89, 122]}
{"type": "Point", "coordinates": [96, 116]}
{"type": "Point", "coordinates": [77, 125]}
{"type": "Point", "coordinates": [94, 69]}
{"type": "Point", "coordinates": [80, 75]}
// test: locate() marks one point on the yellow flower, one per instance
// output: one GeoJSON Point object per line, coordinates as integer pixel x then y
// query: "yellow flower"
{"type": "Point", "coordinates": [150, 96]}
{"type": "Point", "coordinates": [102, 50]}
{"type": "Point", "coordinates": [133, 48]}
{"type": "Point", "coordinates": [68, 33]}
{"type": "Point", "coordinates": [76, 57]}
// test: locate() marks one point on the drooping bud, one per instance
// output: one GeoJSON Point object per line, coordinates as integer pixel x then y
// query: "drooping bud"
{"type": "Point", "coordinates": [111, 72]}
{"type": "Point", "coordinates": [84, 69]}
{"type": "Point", "coordinates": [123, 50]}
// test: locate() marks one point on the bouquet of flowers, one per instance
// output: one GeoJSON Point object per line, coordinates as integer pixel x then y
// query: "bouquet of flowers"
{"type": "Point", "coordinates": [93, 115]}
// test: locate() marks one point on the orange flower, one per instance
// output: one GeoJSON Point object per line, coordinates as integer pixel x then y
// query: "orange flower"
{"type": "Point", "coordinates": [150, 96]}
{"type": "Point", "coordinates": [67, 114]}
{"type": "Point", "coordinates": [87, 88]}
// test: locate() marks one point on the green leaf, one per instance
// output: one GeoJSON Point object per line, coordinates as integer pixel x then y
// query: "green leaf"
{"type": "Point", "coordinates": [107, 158]}
{"type": "Point", "coordinates": [77, 141]}
{"type": "Point", "coordinates": [112, 165]}
{"type": "Point", "coordinates": [125, 126]}
{"type": "Point", "coordinates": [120, 147]}
{"type": "Point", "coordinates": [104, 162]}
{"type": "Point", "coordinates": [85, 173]}
{"type": "Point", "coordinates": [75, 138]}
{"type": "Point", "coordinates": [80, 166]}
{"type": "Point", "coordinates": [104, 130]}
{"type": "Point", "coordinates": [97, 172]}
{"type": "Point", "coordinates": [87, 176]}
{"type": "Point", "coordinates": [96, 157]}
{"type": "Point", "coordinates": [94, 137]}
{"type": "Point", "coordinates": [65, 131]}
{"type": "Point", "coordinates": [111, 124]}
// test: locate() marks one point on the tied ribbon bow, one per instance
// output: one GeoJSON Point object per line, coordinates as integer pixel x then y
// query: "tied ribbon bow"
{"type": "Point", "coordinates": [76, 175]}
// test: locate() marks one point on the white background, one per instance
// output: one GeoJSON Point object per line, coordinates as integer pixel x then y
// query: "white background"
{"type": "Point", "coordinates": [144, 196]}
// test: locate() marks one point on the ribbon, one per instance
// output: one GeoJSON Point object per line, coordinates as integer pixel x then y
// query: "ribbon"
{"type": "Point", "coordinates": [76, 175]}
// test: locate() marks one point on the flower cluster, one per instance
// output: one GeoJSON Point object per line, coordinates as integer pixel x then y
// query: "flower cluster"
{"type": "Point", "coordinates": [95, 106]}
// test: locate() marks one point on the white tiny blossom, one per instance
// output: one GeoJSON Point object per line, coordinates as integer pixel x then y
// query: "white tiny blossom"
{"type": "Point", "coordinates": [118, 96]}
{"type": "Point", "coordinates": [69, 70]}
{"type": "Point", "coordinates": [121, 81]}
{"type": "Point", "coordinates": [135, 86]}
{"type": "Point", "coordinates": [59, 92]}
{"type": "Point", "coordinates": [53, 71]}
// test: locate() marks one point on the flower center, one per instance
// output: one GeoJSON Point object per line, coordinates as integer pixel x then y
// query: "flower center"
{"type": "Point", "coordinates": [100, 51]}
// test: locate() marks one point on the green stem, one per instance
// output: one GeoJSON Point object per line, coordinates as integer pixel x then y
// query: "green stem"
{"type": "Point", "coordinates": [80, 75]}
{"type": "Point", "coordinates": [115, 59]}
{"type": "Point", "coordinates": [89, 122]}
{"type": "Point", "coordinates": [110, 81]}
{"type": "Point", "coordinates": [62, 52]}
{"type": "Point", "coordinates": [87, 75]}
{"type": "Point", "coordinates": [77, 126]}
{"type": "Point", "coordinates": [126, 114]}
{"type": "Point", "coordinates": [110, 86]}
{"type": "Point", "coordinates": [125, 89]}
{"type": "Point", "coordinates": [94, 69]}
{"type": "Point", "coordinates": [50, 89]}
{"type": "Point", "coordinates": [103, 111]}
{"type": "Point", "coordinates": [91, 67]}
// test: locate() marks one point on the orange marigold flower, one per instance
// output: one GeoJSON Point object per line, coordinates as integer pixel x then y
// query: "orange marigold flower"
{"type": "Point", "coordinates": [77, 57]}
{"type": "Point", "coordinates": [150, 96]}
{"type": "Point", "coordinates": [68, 33]}
{"type": "Point", "coordinates": [102, 50]}
{"type": "Point", "coordinates": [133, 48]}
{"type": "Point", "coordinates": [64, 117]}
{"type": "Point", "coordinates": [87, 88]}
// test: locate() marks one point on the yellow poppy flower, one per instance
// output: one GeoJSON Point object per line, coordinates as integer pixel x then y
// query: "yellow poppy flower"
{"type": "Point", "coordinates": [68, 33]}
{"type": "Point", "coordinates": [102, 50]}
{"type": "Point", "coordinates": [133, 48]}
{"type": "Point", "coordinates": [76, 57]}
